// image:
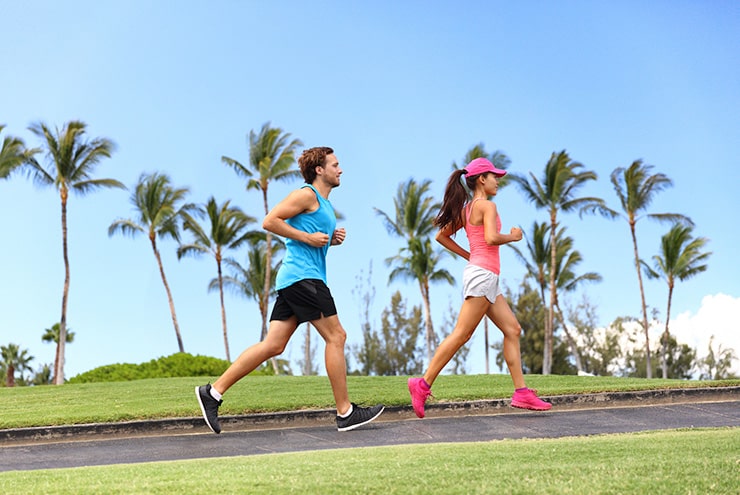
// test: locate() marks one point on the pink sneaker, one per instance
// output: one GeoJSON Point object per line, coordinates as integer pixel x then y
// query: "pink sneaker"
{"type": "Point", "coordinates": [420, 392]}
{"type": "Point", "coordinates": [527, 399]}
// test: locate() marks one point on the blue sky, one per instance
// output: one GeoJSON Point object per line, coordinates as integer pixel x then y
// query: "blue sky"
{"type": "Point", "coordinates": [399, 90]}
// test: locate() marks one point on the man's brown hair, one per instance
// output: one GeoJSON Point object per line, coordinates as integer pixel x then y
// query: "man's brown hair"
{"type": "Point", "coordinates": [310, 159]}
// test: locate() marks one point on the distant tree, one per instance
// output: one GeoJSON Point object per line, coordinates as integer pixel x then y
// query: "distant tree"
{"type": "Point", "coordinates": [13, 154]}
{"type": "Point", "coordinates": [680, 258]}
{"type": "Point", "coordinates": [159, 207]}
{"type": "Point", "coordinates": [366, 353]}
{"type": "Point", "coordinates": [43, 376]}
{"type": "Point", "coordinates": [556, 192]}
{"type": "Point", "coordinates": [308, 362]}
{"type": "Point", "coordinates": [568, 281]}
{"type": "Point", "coordinates": [272, 159]}
{"type": "Point", "coordinates": [636, 188]}
{"type": "Point", "coordinates": [52, 335]}
{"type": "Point", "coordinates": [226, 230]}
{"type": "Point", "coordinates": [400, 330]}
{"type": "Point", "coordinates": [70, 162]}
{"type": "Point", "coordinates": [14, 360]}
{"type": "Point", "coordinates": [680, 361]}
{"type": "Point", "coordinates": [716, 365]}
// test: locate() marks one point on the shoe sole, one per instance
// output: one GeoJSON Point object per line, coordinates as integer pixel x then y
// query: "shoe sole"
{"type": "Point", "coordinates": [531, 408]}
{"type": "Point", "coordinates": [352, 427]}
{"type": "Point", "coordinates": [203, 410]}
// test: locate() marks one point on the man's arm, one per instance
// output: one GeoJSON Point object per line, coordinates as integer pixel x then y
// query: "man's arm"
{"type": "Point", "coordinates": [294, 204]}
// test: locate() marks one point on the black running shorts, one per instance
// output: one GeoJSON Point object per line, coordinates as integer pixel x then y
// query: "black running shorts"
{"type": "Point", "coordinates": [307, 299]}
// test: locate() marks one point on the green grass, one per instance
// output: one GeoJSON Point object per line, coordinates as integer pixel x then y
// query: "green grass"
{"type": "Point", "coordinates": [173, 397]}
{"type": "Point", "coordinates": [666, 462]}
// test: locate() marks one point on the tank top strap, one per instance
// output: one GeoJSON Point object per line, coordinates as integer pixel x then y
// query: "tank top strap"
{"type": "Point", "coordinates": [469, 209]}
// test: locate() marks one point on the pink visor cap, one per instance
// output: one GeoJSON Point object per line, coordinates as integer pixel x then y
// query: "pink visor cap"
{"type": "Point", "coordinates": [481, 166]}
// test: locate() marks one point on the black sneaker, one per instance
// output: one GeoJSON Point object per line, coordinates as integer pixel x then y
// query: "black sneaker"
{"type": "Point", "coordinates": [360, 416]}
{"type": "Point", "coordinates": [209, 407]}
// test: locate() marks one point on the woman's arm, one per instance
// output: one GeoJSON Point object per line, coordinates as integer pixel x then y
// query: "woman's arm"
{"type": "Point", "coordinates": [493, 238]}
{"type": "Point", "coordinates": [444, 237]}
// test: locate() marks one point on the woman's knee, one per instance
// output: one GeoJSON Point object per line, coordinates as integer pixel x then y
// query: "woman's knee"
{"type": "Point", "coordinates": [513, 331]}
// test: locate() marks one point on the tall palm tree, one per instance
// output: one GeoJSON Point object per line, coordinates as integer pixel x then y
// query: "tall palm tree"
{"type": "Point", "coordinates": [419, 261]}
{"type": "Point", "coordinates": [226, 230]}
{"type": "Point", "coordinates": [70, 162]}
{"type": "Point", "coordinates": [680, 258]}
{"type": "Point", "coordinates": [159, 207]}
{"type": "Point", "coordinates": [12, 154]}
{"type": "Point", "coordinates": [636, 188]}
{"type": "Point", "coordinates": [52, 335]}
{"type": "Point", "coordinates": [13, 359]}
{"type": "Point", "coordinates": [414, 211]}
{"type": "Point", "coordinates": [556, 192]}
{"type": "Point", "coordinates": [271, 158]}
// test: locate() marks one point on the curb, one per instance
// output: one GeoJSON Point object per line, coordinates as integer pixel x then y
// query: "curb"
{"type": "Point", "coordinates": [317, 417]}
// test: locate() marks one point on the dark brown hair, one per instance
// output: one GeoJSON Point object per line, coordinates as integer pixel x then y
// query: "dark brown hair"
{"type": "Point", "coordinates": [310, 159]}
{"type": "Point", "coordinates": [450, 214]}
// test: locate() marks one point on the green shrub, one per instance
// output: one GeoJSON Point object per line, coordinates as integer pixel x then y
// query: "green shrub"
{"type": "Point", "coordinates": [180, 364]}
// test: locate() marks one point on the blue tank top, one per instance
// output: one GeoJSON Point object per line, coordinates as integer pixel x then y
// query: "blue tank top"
{"type": "Point", "coordinates": [301, 260]}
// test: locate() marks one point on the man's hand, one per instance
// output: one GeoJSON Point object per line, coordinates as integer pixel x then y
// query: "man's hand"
{"type": "Point", "coordinates": [338, 237]}
{"type": "Point", "coordinates": [317, 239]}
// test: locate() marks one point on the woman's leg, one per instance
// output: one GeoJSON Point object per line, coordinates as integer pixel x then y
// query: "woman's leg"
{"type": "Point", "coordinates": [471, 313]}
{"type": "Point", "coordinates": [500, 313]}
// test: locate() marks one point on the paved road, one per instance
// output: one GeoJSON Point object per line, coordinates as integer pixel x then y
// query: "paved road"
{"type": "Point", "coordinates": [388, 430]}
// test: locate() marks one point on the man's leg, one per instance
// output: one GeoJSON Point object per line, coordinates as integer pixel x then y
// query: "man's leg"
{"type": "Point", "coordinates": [274, 344]}
{"type": "Point", "coordinates": [333, 333]}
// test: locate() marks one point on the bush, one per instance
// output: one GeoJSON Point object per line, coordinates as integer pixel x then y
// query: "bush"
{"type": "Point", "coordinates": [176, 365]}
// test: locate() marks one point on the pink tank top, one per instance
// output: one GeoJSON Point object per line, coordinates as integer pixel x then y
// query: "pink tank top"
{"type": "Point", "coordinates": [481, 254]}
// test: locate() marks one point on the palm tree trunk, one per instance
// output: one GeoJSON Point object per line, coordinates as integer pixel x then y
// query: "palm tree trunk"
{"type": "Point", "coordinates": [59, 359]}
{"type": "Point", "coordinates": [10, 376]}
{"type": "Point", "coordinates": [571, 340]}
{"type": "Point", "coordinates": [649, 372]}
{"type": "Point", "coordinates": [666, 335]}
{"type": "Point", "coordinates": [307, 352]}
{"type": "Point", "coordinates": [424, 285]}
{"type": "Point", "coordinates": [550, 322]}
{"type": "Point", "coordinates": [268, 285]}
{"type": "Point", "coordinates": [223, 306]}
{"type": "Point", "coordinates": [152, 238]}
{"type": "Point", "coordinates": [485, 333]}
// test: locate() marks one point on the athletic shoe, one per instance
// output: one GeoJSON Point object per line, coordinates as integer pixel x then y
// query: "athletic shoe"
{"type": "Point", "coordinates": [209, 407]}
{"type": "Point", "coordinates": [527, 399]}
{"type": "Point", "coordinates": [420, 392]}
{"type": "Point", "coordinates": [360, 416]}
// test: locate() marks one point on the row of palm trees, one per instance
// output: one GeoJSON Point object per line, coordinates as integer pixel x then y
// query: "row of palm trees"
{"type": "Point", "coordinates": [162, 210]}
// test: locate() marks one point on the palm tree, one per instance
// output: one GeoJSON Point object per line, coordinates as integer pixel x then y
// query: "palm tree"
{"type": "Point", "coordinates": [680, 258]}
{"type": "Point", "coordinates": [13, 359]}
{"type": "Point", "coordinates": [52, 335]}
{"type": "Point", "coordinates": [159, 210]}
{"type": "Point", "coordinates": [71, 160]}
{"type": "Point", "coordinates": [557, 192]}
{"type": "Point", "coordinates": [12, 154]}
{"type": "Point", "coordinates": [226, 231]}
{"type": "Point", "coordinates": [271, 157]}
{"type": "Point", "coordinates": [636, 188]}
{"type": "Point", "coordinates": [414, 211]}
{"type": "Point", "coordinates": [419, 261]}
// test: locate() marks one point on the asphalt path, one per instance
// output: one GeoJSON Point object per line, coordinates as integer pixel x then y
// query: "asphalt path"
{"type": "Point", "coordinates": [390, 429]}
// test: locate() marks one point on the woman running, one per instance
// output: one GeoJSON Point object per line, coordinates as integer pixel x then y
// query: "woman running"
{"type": "Point", "coordinates": [481, 292]}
